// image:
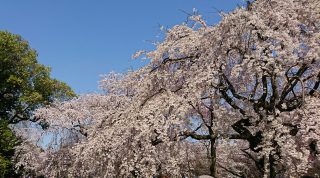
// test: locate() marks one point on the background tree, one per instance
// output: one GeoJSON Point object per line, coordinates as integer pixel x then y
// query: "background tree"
{"type": "Point", "coordinates": [24, 86]}
{"type": "Point", "coordinates": [7, 143]}
{"type": "Point", "coordinates": [24, 83]}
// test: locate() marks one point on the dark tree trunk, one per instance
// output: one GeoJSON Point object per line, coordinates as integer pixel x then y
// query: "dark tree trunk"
{"type": "Point", "coordinates": [273, 172]}
{"type": "Point", "coordinates": [213, 158]}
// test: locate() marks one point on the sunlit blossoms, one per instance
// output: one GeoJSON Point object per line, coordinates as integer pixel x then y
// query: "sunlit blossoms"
{"type": "Point", "coordinates": [236, 99]}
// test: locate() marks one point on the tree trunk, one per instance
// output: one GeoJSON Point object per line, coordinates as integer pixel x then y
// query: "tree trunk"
{"type": "Point", "coordinates": [213, 159]}
{"type": "Point", "coordinates": [273, 173]}
{"type": "Point", "coordinates": [269, 167]}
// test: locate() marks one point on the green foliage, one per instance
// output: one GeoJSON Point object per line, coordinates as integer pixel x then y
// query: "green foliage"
{"type": "Point", "coordinates": [24, 83]}
{"type": "Point", "coordinates": [7, 143]}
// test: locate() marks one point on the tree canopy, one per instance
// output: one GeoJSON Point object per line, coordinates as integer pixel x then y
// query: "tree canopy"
{"type": "Point", "coordinates": [24, 86]}
{"type": "Point", "coordinates": [7, 143]}
{"type": "Point", "coordinates": [235, 99]}
{"type": "Point", "coordinates": [24, 83]}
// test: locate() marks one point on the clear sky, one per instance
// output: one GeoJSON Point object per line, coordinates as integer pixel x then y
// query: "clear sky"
{"type": "Point", "coordinates": [81, 39]}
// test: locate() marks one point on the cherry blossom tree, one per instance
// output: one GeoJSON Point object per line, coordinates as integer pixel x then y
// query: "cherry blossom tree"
{"type": "Point", "coordinates": [262, 62]}
{"type": "Point", "coordinates": [247, 88]}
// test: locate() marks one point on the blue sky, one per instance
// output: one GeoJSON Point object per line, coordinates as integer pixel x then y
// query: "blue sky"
{"type": "Point", "coordinates": [81, 39]}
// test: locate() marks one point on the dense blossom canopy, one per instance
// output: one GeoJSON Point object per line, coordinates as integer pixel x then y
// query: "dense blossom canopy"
{"type": "Point", "coordinates": [236, 99]}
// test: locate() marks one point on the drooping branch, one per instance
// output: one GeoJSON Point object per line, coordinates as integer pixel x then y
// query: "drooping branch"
{"type": "Point", "coordinates": [265, 89]}
{"type": "Point", "coordinates": [200, 114]}
{"type": "Point", "coordinates": [275, 95]}
{"type": "Point", "coordinates": [233, 90]}
{"type": "Point", "coordinates": [296, 101]}
{"type": "Point", "coordinates": [230, 101]}
{"type": "Point", "coordinates": [292, 82]}
{"type": "Point", "coordinates": [151, 96]}
{"type": "Point", "coordinates": [253, 93]}
{"type": "Point", "coordinates": [257, 162]}
{"type": "Point", "coordinates": [171, 60]}
{"type": "Point", "coordinates": [197, 136]}
{"type": "Point", "coordinates": [231, 171]}
{"type": "Point", "coordinates": [316, 85]}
